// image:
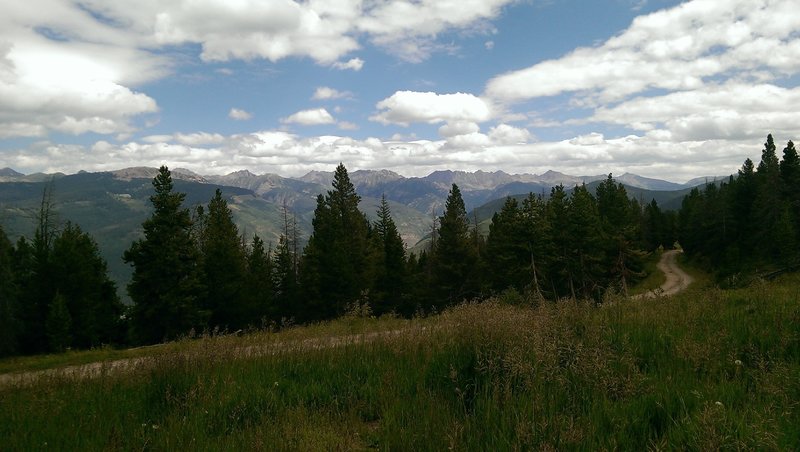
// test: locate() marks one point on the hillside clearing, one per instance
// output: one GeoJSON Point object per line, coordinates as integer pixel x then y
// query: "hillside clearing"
{"type": "Point", "coordinates": [704, 370]}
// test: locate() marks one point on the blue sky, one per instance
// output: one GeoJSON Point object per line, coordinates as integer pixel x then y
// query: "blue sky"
{"type": "Point", "coordinates": [660, 88]}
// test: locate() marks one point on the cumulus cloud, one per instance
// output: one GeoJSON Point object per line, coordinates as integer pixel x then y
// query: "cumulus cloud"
{"type": "Point", "coordinates": [344, 125]}
{"type": "Point", "coordinates": [353, 64]}
{"type": "Point", "coordinates": [103, 50]}
{"type": "Point", "coordinates": [290, 154]}
{"type": "Point", "coordinates": [728, 111]}
{"type": "Point", "coordinates": [323, 30]}
{"type": "Point", "coordinates": [406, 107]}
{"type": "Point", "coordinates": [454, 128]}
{"type": "Point", "coordinates": [326, 93]}
{"type": "Point", "coordinates": [312, 117]}
{"type": "Point", "coordinates": [673, 49]}
{"type": "Point", "coordinates": [506, 134]}
{"type": "Point", "coordinates": [409, 29]}
{"type": "Point", "coordinates": [239, 115]}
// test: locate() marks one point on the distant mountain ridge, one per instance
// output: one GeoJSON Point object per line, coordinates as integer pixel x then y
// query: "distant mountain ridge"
{"type": "Point", "coordinates": [111, 205]}
{"type": "Point", "coordinates": [466, 180]}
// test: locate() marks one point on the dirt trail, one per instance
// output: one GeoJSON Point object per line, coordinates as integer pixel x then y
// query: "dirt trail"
{"type": "Point", "coordinates": [104, 368]}
{"type": "Point", "coordinates": [677, 279]}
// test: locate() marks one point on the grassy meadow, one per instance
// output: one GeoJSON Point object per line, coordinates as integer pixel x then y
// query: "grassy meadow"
{"type": "Point", "coordinates": [704, 370]}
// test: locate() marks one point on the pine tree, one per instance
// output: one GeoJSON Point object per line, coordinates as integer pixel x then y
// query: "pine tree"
{"type": "Point", "coordinates": [58, 324]}
{"type": "Point", "coordinates": [165, 287]}
{"type": "Point", "coordinates": [587, 254]}
{"type": "Point", "coordinates": [619, 225]}
{"type": "Point", "coordinates": [258, 290]}
{"type": "Point", "coordinates": [285, 282]}
{"type": "Point", "coordinates": [769, 205]}
{"type": "Point", "coordinates": [81, 280]}
{"type": "Point", "coordinates": [507, 249]}
{"type": "Point", "coordinates": [34, 270]}
{"type": "Point", "coordinates": [335, 261]}
{"type": "Point", "coordinates": [562, 278]}
{"type": "Point", "coordinates": [390, 280]}
{"type": "Point", "coordinates": [653, 229]}
{"type": "Point", "coordinates": [539, 237]}
{"type": "Point", "coordinates": [790, 175]}
{"type": "Point", "coordinates": [455, 254]}
{"type": "Point", "coordinates": [223, 262]}
{"type": "Point", "coordinates": [9, 322]}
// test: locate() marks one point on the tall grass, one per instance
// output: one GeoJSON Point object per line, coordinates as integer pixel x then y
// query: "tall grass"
{"type": "Point", "coordinates": [704, 370]}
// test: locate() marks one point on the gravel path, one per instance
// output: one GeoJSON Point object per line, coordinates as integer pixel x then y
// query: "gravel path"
{"type": "Point", "coordinates": [103, 368]}
{"type": "Point", "coordinates": [677, 279]}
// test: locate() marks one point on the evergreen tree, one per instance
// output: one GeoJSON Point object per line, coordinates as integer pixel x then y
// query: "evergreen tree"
{"type": "Point", "coordinates": [334, 264]}
{"type": "Point", "coordinates": [561, 274]}
{"type": "Point", "coordinates": [790, 169]}
{"type": "Point", "coordinates": [587, 254]}
{"type": "Point", "coordinates": [539, 237]}
{"type": "Point", "coordinates": [285, 282]}
{"type": "Point", "coordinates": [258, 290]}
{"type": "Point", "coordinates": [618, 219]}
{"type": "Point", "coordinates": [223, 262]}
{"type": "Point", "coordinates": [58, 324]}
{"type": "Point", "coordinates": [34, 270]}
{"type": "Point", "coordinates": [81, 280]}
{"type": "Point", "coordinates": [390, 284]}
{"type": "Point", "coordinates": [769, 205]}
{"type": "Point", "coordinates": [654, 228]}
{"type": "Point", "coordinates": [507, 248]}
{"type": "Point", "coordinates": [9, 322]}
{"type": "Point", "coordinates": [455, 254]}
{"type": "Point", "coordinates": [742, 204]}
{"type": "Point", "coordinates": [165, 287]}
{"type": "Point", "coordinates": [790, 175]}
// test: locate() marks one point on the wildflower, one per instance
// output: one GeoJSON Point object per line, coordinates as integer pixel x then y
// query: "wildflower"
{"type": "Point", "coordinates": [738, 362]}
{"type": "Point", "coordinates": [719, 404]}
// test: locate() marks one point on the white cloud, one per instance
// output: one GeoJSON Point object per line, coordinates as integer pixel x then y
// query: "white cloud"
{"type": "Point", "coordinates": [323, 30]}
{"type": "Point", "coordinates": [199, 138]}
{"type": "Point", "coordinates": [353, 64]}
{"type": "Point", "coordinates": [344, 125]}
{"type": "Point", "coordinates": [191, 139]}
{"type": "Point", "coordinates": [409, 29]}
{"type": "Point", "coordinates": [312, 117]}
{"type": "Point", "coordinates": [239, 115]}
{"type": "Point", "coordinates": [103, 50]}
{"type": "Point", "coordinates": [506, 134]}
{"type": "Point", "coordinates": [454, 128]}
{"type": "Point", "coordinates": [728, 111]}
{"type": "Point", "coordinates": [653, 154]}
{"type": "Point", "coordinates": [326, 93]}
{"type": "Point", "coordinates": [405, 107]}
{"type": "Point", "coordinates": [674, 49]}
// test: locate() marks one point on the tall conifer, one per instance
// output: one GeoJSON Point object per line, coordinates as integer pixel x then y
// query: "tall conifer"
{"type": "Point", "coordinates": [166, 284]}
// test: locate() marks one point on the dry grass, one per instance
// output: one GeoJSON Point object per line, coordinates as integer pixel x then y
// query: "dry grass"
{"type": "Point", "coordinates": [706, 370]}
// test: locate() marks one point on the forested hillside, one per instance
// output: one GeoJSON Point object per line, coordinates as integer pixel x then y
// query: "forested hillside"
{"type": "Point", "coordinates": [749, 224]}
{"type": "Point", "coordinates": [194, 269]}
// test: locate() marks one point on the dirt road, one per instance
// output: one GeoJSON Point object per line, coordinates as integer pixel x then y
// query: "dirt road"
{"type": "Point", "coordinates": [104, 368]}
{"type": "Point", "coordinates": [677, 279]}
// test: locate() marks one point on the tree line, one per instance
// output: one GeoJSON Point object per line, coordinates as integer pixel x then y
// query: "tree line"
{"type": "Point", "coordinates": [747, 224]}
{"type": "Point", "coordinates": [194, 271]}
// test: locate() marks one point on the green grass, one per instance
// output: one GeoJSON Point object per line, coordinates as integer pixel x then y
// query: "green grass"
{"type": "Point", "coordinates": [705, 370]}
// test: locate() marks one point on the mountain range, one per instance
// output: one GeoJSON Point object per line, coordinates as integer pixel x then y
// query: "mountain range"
{"type": "Point", "coordinates": [112, 205]}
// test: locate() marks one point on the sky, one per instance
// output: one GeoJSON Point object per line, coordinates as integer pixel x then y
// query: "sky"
{"type": "Point", "coordinates": [660, 88]}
